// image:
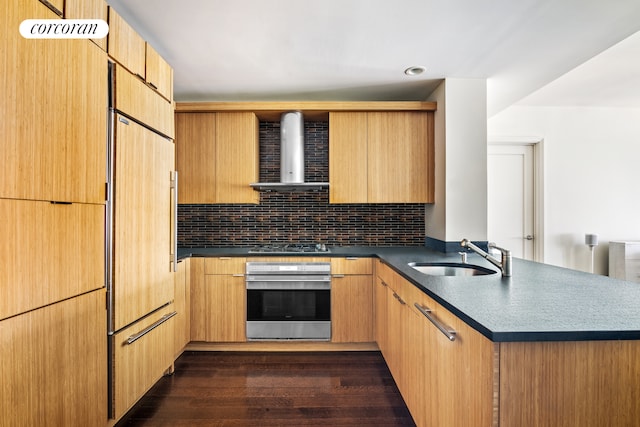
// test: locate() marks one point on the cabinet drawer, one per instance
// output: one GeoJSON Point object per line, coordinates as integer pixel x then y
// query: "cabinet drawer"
{"type": "Point", "coordinates": [50, 252]}
{"type": "Point", "coordinates": [224, 265]}
{"type": "Point", "coordinates": [351, 266]}
{"type": "Point", "coordinates": [142, 353]}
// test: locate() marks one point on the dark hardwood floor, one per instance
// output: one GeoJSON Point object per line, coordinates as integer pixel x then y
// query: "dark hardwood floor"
{"type": "Point", "coordinates": [274, 389]}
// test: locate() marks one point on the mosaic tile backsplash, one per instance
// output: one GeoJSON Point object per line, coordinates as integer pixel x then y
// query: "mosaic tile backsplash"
{"type": "Point", "coordinates": [305, 217]}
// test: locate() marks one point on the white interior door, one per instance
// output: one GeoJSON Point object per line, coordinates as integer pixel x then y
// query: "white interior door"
{"type": "Point", "coordinates": [511, 198]}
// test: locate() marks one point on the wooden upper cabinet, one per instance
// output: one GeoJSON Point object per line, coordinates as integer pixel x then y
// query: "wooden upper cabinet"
{"type": "Point", "coordinates": [236, 157]}
{"type": "Point", "coordinates": [217, 157]}
{"type": "Point", "coordinates": [88, 9]}
{"type": "Point", "coordinates": [195, 156]}
{"type": "Point", "coordinates": [137, 100]}
{"type": "Point", "coordinates": [125, 44]}
{"type": "Point", "coordinates": [381, 157]}
{"type": "Point", "coordinates": [399, 161]}
{"type": "Point", "coordinates": [54, 110]}
{"type": "Point", "coordinates": [158, 73]}
{"type": "Point", "coordinates": [348, 158]}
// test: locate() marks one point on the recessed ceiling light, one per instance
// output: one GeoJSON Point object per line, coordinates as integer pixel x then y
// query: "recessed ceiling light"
{"type": "Point", "coordinates": [415, 70]}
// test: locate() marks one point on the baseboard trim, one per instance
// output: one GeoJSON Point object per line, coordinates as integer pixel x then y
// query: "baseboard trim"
{"type": "Point", "coordinates": [281, 346]}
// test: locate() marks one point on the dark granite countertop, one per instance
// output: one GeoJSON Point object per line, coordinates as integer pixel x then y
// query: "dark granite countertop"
{"type": "Point", "coordinates": [539, 302]}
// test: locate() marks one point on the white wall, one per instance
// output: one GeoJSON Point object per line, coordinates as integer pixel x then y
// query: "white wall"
{"type": "Point", "coordinates": [460, 209]}
{"type": "Point", "coordinates": [592, 176]}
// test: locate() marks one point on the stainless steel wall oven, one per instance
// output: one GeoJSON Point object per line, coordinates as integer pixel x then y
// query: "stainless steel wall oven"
{"type": "Point", "coordinates": [288, 301]}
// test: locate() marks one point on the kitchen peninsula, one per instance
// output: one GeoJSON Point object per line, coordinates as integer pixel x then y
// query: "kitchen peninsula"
{"type": "Point", "coordinates": [548, 346]}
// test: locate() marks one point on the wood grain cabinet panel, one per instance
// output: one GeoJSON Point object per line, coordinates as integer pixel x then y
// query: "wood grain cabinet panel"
{"type": "Point", "coordinates": [142, 278]}
{"type": "Point", "coordinates": [134, 98]}
{"type": "Point", "coordinates": [126, 46]}
{"type": "Point", "coordinates": [159, 74]}
{"type": "Point", "coordinates": [217, 157]}
{"type": "Point", "coordinates": [53, 107]}
{"type": "Point", "coordinates": [50, 252]}
{"type": "Point", "coordinates": [53, 365]}
{"type": "Point", "coordinates": [88, 9]}
{"type": "Point", "coordinates": [348, 158]}
{"type": "Point", "coordinates": [182, 304]}
{"type": "Point", "coordinates": [381, 157]}
{"type": "Point", "coordinates": [352, 300]}
{"type": "Point", "coordinates": [226, 308]}
{"type": "Point", "coordinates": [139, 364]}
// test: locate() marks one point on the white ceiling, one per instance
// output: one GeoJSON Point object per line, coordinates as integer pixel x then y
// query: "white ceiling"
{"type": "Point", "coordinates": [241, 50]}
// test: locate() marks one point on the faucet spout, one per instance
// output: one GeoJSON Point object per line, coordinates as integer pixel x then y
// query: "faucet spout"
{"type": "Point", "coordinates": [504, 264]}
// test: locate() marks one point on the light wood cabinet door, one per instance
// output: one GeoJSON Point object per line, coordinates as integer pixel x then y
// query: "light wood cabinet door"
{"type": "Point", "coordinates": [50, 252]}
{"type": "Point", "coordinates": [399, 158]}
{"type": "Point", "coordinates": [348, 136]}
{"type": "Point", "coordinates": [126, 46]}
{"type": "Point", "coordinates": [352, 308]}
{"type": "Point", "coordinates": [197, 286]}
{"type": "Point", "coordinates": [140, 358]}
{"type": "Point", "coordinates": [159, 74]}
{"type": "Point", "coordinates": [463, 373]}
{"type": "Point", "coordinates": [217, 157]}
{"type": "Point", "coordinates": [182, 304]}
{"type": "Point", "coordinates": [579, 383]}
{"type": "Point", "coordinates": [142, 279]}
{"type": "Point", "coordinates": [236, 157]}
{"type": "Point", "coordinates": [226, 308]}
{"type": "Point", "coordinates": [53, 364]}
{"type": "Point", "coordinates": [88, 9]}
{"type": "Point", "coordinates": [134, 98]}
{"type": "Point", "coordinates": [380, 313]}
{"type": "Point", "coordinates": [53, 108]}
{"type": "Point", "coordinates": [195, 157]}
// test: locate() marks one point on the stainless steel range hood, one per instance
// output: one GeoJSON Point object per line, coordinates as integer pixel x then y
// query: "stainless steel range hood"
{"type": "Point", "coordinates": [291, 158]}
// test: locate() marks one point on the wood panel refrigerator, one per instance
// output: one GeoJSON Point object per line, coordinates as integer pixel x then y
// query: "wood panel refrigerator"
{"type": "Point", "coordinates": [142, 250]}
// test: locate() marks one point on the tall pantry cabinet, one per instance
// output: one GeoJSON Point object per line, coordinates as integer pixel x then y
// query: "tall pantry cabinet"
{"type": "Point", "coordinates": [52, 201]}
{"type": "Point", "coordinates": [142, 218]}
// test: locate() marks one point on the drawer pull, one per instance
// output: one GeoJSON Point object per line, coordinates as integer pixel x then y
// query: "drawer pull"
{"type": "Point", "coordinates": [135, 337]}
{"type": "Point", "coordinates": [337, 276]}
{"type": "Point", "coordinates": [448, 332]}
{"type": "Point", "coordinates": [400, 300]}
{"type": "Point", "coordinates": [238, 275]}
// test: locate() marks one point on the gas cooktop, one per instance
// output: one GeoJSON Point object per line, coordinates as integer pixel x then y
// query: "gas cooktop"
{"type": "Point", "coordinates": [290, 248]}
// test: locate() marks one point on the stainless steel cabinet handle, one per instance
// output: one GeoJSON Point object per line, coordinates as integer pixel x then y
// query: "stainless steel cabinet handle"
{"type": "Point", "coordinates": [237, 275]}
{"type": "Point", "coordinates": [174, 185]}
{"type": "Point", "coordinates": [135, 337]}
{"type": "Point", "coordinates": [337, 276]}
{"type": "Point", "coordinates": [383, 284]}
{"type": "Point", "coordinates": [528, 237]}
{"type": "Point", "coordinates": [448, 332]}
{"type": "Point", "coordinates": [352, 258]}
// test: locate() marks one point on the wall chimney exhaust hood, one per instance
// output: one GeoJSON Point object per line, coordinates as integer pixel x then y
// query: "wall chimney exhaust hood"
{"type": "Point", "coordinates": [291, 158]}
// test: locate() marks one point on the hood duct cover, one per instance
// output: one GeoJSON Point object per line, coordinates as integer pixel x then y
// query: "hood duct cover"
{"type": "Point", "coordinates": [291, 157]}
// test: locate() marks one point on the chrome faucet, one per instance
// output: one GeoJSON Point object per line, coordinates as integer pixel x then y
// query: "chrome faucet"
{"type": "Point", "coordinates": [504, 264]}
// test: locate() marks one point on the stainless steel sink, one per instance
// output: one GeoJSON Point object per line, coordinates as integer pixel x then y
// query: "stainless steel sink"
{"type": "Point", "coordinates": [450, 269]}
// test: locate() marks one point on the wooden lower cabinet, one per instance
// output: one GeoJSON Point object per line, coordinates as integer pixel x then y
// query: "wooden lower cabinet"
{"type": "Point", "coordinates": [352, 300]}
{"type": "Point", "coordinates": [140, 358]}
{"type": "Point", "coordinates": [472, 381]}
{"type": "Point", "coordinates": [182, 303]}
{"type": "Point", "coordinates": [53, 368]}
{"type": "Point", "coordinates": [218, 301]}
{"type": "Point", "coordinates": [352, 309]}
